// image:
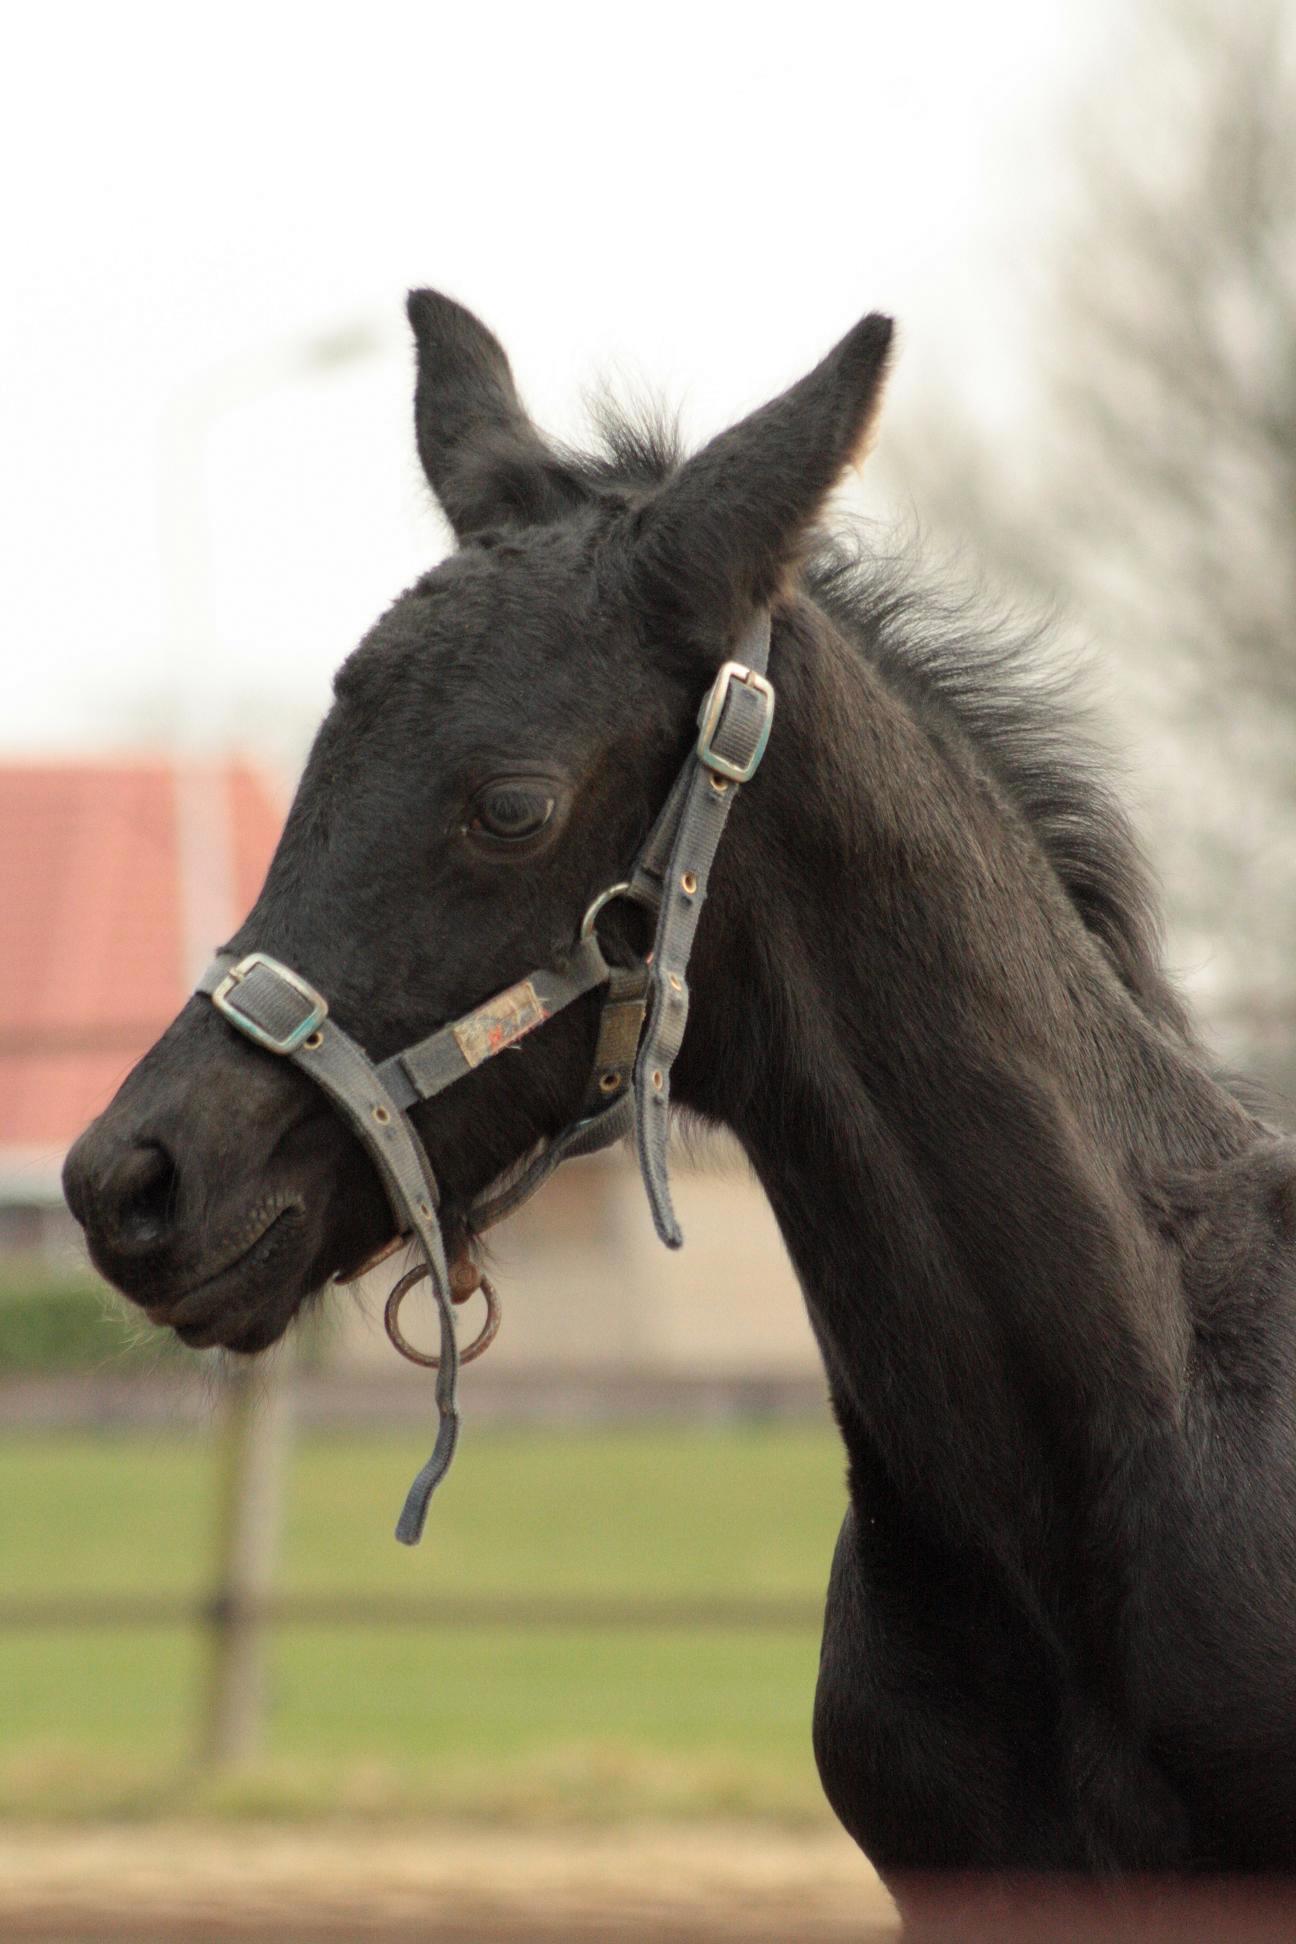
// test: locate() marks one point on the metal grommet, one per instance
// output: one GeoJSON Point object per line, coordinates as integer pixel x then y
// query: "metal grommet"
{"type": "Point", "coordinates": [609, 1081]}
{"type": "Point", "coordinates": [381, 1114]}
{"type": "Point", "coordinates": [675, 982]}
{"type": "Point", "coordinates": [313, 1044]}
{"type": "Point", "coordinates": [718, 783]}
{"type": "Point", "coordinates": [465, 1279]}
{"type": "Point", "coordinates": [391, 1322]}
{"type": "Point", "coordinates": [658, 1079]}
{"type": "Point", "coordinates": [689, 882]}
{"type": "Point", "coordinates": [425, 1208]}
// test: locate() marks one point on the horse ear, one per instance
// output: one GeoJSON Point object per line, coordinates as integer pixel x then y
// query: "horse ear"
{"type": "Point", "coordinates": [723, 536]}
{"type": "Point", "coordinates": [484, 459]}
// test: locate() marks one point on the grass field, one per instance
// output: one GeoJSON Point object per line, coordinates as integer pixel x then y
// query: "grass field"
{"type": "Point", "coordinates": [491, 1720]}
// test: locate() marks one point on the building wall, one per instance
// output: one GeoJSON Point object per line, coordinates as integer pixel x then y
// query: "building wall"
{"type": "Point", "coordinates": [585, 1284]}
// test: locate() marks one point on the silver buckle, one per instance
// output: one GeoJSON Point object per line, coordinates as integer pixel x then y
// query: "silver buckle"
{"type": "Point", "coordinates": [287, 1042]}
{"type": "Point", "coordinates": [712, 712]}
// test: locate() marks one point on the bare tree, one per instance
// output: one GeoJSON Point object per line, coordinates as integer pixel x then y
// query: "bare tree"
{"type": "Point", "coordinates": [1164, 473]}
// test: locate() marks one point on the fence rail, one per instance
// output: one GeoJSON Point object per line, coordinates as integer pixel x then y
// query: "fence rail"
{"type": "Point", "coordinates": [240, 1608]}
{"type": "Point", "coordinates": [107, 1613]}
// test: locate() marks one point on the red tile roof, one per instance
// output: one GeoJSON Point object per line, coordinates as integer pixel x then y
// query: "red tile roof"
{"type": "Point", "coordinates": [93, 917]}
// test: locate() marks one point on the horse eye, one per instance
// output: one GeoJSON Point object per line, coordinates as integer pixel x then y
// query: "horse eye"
{"type": "Point", "coordinates": [510, 812]}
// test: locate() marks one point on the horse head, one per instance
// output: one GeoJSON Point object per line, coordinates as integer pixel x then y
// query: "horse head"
{"type": "Point", "coordinates": [496, 751]}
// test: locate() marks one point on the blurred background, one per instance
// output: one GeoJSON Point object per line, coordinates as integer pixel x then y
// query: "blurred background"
{"type": "Point", "coordinates": [585, 1701]}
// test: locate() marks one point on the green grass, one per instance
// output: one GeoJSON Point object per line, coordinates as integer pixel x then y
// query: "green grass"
{"type": "Point", "coordinates": [60, 1318]}
{"type": "Point", "coordinates": [492, 1720]}
{"type": "Point", "coordinates": [67, 1319]}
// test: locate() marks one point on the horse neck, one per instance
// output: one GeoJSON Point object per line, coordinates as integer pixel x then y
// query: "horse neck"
{"type": "Point", "coordinates": [956, 1109]}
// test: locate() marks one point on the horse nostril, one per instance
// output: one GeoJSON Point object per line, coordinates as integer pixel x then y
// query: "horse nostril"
{"type": "Point", "coordinates": [143, 1196]}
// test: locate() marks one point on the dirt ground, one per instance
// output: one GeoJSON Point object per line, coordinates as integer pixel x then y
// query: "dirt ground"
{"type": "Point", "coordinates": [180, 1884]}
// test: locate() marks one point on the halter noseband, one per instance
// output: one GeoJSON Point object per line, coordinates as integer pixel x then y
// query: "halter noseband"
{"type": "Point", "coordinates": [641, 1026]}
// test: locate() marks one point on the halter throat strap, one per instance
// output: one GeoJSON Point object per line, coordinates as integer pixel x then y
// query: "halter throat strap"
{"type": "Point", "coordinates": [629, 1087]}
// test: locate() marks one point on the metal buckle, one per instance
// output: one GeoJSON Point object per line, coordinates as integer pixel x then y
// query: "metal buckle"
{"type": "Point", "coordinates": [282, 1043]}
{"type": "Point", "coordinates": [712, 713]}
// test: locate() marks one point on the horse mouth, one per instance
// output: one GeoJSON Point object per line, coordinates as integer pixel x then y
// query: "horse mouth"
{"type": "Point", "coordinates": [248, 1302]}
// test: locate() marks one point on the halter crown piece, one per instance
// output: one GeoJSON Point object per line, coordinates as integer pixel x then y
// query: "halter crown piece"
{"type": "Point", "coordinates": [641, 1026]}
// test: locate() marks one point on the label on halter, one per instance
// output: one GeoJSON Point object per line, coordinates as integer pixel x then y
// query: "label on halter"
{"type": "Point", "coordinates": [503, 1019]}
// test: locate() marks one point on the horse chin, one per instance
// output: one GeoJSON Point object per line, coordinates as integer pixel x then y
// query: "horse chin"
{"type": "Point", "coordinates": [259, 1335]}
{"type": "Point", "coordinates": [246, 1305]}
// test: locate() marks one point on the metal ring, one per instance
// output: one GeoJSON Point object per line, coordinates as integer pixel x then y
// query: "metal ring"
{"type": "Point", "coordinates": [372, 1261]}
{"type": "Point", "coordinates": [391, 1321]}
{"type": "Point", "coordinates": [603, 898]}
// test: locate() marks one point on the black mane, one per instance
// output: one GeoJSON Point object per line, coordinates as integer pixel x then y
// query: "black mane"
{"type": "Point", "coordinates": [1001, 688]}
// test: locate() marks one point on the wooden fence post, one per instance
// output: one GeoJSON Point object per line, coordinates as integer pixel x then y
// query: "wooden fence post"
{"type": "Point", "coordinates": [251, 1457]}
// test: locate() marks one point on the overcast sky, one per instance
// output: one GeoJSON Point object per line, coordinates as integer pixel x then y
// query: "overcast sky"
{"type": "Point", "coordinates": [698, 200]}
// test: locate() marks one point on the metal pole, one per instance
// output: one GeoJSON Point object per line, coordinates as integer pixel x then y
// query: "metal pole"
{"type": "Point", "coordinates": [256, 1410]}
{"type": "Point", "coordinates": [255, 1405]}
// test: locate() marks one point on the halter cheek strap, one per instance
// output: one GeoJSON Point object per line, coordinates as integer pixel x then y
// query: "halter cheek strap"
{"type": "Point", "coordinates": [674, 868]}
{"type": "Point", "coordinates": [629, 1086]}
